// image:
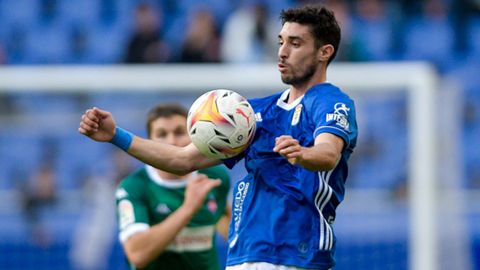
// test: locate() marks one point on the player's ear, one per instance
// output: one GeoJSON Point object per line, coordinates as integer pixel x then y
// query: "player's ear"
{"type": "Point", "coordinates": [325, 52]}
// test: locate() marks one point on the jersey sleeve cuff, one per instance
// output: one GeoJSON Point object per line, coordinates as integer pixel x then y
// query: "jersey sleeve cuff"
{"type": "Point", "coordinates": [132, 230]}
{"type": "Point", "coordinates": [334, 130]}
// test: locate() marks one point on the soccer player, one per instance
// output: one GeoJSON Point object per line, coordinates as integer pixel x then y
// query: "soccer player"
{"type": "Point", "coordinates": [167, 221]}
{"type": "Point", "coordinates": [284, 209]}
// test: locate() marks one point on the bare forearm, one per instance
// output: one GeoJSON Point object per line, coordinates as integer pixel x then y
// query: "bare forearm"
{"type": "Point", "coordinates": [170, 158]}
{"type": "Point", "coordinates": [158, 155]}
{"type": "Point", "coordinates": [143, 248]}
{"type": "Point", "coordinates": [224, 223]}
{"type": "Point", "coordinates": [321, 157]}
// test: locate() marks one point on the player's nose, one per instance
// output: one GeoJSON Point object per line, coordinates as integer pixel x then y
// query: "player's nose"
{"type": "Point", "coordinates": [171, 139]}
{"type": "Point", "coordinates": [282, 53]}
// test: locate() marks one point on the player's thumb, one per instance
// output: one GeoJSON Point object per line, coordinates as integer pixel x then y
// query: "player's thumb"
{"type": "Point", "coordinates": [215, 183]}
{"type": "Point", "coordinates": [100, 113]}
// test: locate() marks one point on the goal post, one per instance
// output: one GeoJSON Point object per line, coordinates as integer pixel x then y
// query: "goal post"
{"type": "Point", "coordinates": [418, 79]}
{"type": "Point", "coordinates": [420, 82]}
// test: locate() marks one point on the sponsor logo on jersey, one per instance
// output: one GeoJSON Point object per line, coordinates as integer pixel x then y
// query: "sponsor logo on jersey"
{"type": "Point", "coordinates": [193, 239]}
{"type": "Point", "coordinates": [163, 209]}
{"type": "Point", "coordinates": [339, 115]}
{"type": "Point", "coordinates": [296, 114]}
{"type": "Point", "coordinates": [258, 117]}
{"type": "Point", "coordinates": [125, 213]}
{"type": "Point", "coordinates": [121, 193]}
{"type": "Point", "coordinates": [240, 195]}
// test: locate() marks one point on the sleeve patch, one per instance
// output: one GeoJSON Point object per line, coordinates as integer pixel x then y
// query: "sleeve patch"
{"type": "Point", "coordinates": [339, 116]}
{"type": "Point", "coordinates": [126, 213]}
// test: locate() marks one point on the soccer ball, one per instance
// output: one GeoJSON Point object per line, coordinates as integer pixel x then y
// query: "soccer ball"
{"type": "Point", "coordinates": [221, 123]}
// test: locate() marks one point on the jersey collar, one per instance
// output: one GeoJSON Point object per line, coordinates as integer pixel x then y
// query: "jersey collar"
{"type": "Point", "coordinates": [174, 183]}
{"type": "Point", "coordinates": [288, 106]}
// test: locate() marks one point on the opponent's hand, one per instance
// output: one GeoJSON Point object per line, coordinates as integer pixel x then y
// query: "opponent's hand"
{"type": "Point", "coordinates": [289, 148]}
{"type": "Point", "coordinates": [196, 191]}
{"type": "Point", "coordinates": [97, 124]}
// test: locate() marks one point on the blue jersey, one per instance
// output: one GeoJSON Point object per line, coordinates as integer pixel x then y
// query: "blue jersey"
{"type": "Point", "coordinates": [283, 213]}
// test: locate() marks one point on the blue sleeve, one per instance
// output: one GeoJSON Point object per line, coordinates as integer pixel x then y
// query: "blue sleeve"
{"type": "Point", "coordinates": [336, 115]}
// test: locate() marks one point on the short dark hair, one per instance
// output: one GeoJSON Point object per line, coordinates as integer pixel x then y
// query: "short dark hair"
{"type": "Point", "coordinates": [166, 110]}
{"type": "Point", "coordinates": [323, 25]}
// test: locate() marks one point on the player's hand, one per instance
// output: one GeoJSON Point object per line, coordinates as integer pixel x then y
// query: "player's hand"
{"type": "Point", "coordinates": [97, 124]}
{"type": "Point", "coordinates": [289, 148]}
{"type": "Point", "coordinates": [196, 191]}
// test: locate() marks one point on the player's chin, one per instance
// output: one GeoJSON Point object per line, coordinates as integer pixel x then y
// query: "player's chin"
{"type": "Point", "coordinates": [285, 78]}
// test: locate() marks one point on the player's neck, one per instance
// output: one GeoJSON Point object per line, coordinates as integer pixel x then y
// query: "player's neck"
{"type": "Point", "coordinates": [298, 90]}
{"type": "Point", "coordinates": [171, 177]}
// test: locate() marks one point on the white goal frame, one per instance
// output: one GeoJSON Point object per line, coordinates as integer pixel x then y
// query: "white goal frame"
{"type": "Point", "coordinates": [418, 79]}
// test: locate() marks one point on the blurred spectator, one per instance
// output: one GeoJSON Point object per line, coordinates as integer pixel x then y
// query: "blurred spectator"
{"type": "Point", "coordinates": [350, 49]}
{"type": "Point", "coordinates": [108, 11]}
{"type": "Point", "coordinates": [433, 26]}
{"type": "Point", "coordinates": [250, 35]}
{"type": "Point", "coordinates": [461, 11]}
{"type": "Point", "coordinates": [37, 193]}
{"type": "Point", "coordinates": [202, 42]}
{"type": "Point", "coordinates": [48, 10]}
{"type": "Point", "coordinates": [410, 8]}
{"type": "Point", "coordinates": [146, 44]}
{"type": "Point", "coordinates": [78, 43]}
{"type": "Point", "coordinates": [94, 235]}
{"type": "Point", "coordinates": [372, 30]}
{"type": "Point", "coordinates": [15, 43]}
{"type": "Point", "coordinates": [473, 33]}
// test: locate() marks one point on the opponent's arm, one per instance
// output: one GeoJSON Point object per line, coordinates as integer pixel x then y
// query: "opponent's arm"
{"type": "Point", "coordinates": [99, 125]}
{"type": "Point", "coordinates": [142, 248]}
{"type": "Point", "coordinates": [224, 223]}
{"type": "Point", "coordinates": [322, 156]}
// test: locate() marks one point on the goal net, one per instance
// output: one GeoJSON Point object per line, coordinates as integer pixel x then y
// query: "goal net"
{"type": "Point", "coordinates": [399, 205]}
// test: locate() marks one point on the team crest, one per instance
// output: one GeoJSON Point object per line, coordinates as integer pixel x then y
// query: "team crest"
{"type": "Point", "coordinates": [339, 115]}
{"type": "Point", "coordinates": [212, 205]}
{"type": "Point", "coordinates": [296, 114]}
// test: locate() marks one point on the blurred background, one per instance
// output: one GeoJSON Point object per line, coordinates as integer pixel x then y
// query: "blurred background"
{"type": "Point", "coordinates": [56, 187]}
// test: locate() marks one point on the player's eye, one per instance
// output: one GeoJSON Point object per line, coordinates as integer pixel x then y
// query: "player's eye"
{"type": "Point", "coordinates": [161, 134]}
{"type": "Point", "coordinates": [180, 132]}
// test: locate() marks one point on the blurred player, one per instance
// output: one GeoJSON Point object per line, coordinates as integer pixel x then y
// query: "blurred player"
{"type": "Point", "coordinates": [283, 210]}
{"type": "Point", "coordinates": [167, 221]}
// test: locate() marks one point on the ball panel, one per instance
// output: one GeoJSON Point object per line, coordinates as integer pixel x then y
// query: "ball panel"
{"type": "Point", "coordinates": [221, 123]}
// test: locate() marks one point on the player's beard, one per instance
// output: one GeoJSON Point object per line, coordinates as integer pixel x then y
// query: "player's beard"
{"type": "Point", "coordinates": [300, 76]}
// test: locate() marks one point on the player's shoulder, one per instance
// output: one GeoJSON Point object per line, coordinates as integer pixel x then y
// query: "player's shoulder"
{"type": "Point", "coordinates": [218, 171]}
{"type": "Point", "coordinates": [326, 92]}
{"type": "Point", "coordinates": [326, 89]}
{"type": "Point", "coordinates": [262, 102]}
{"type": "Point", "coordinates": [134, 182]}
